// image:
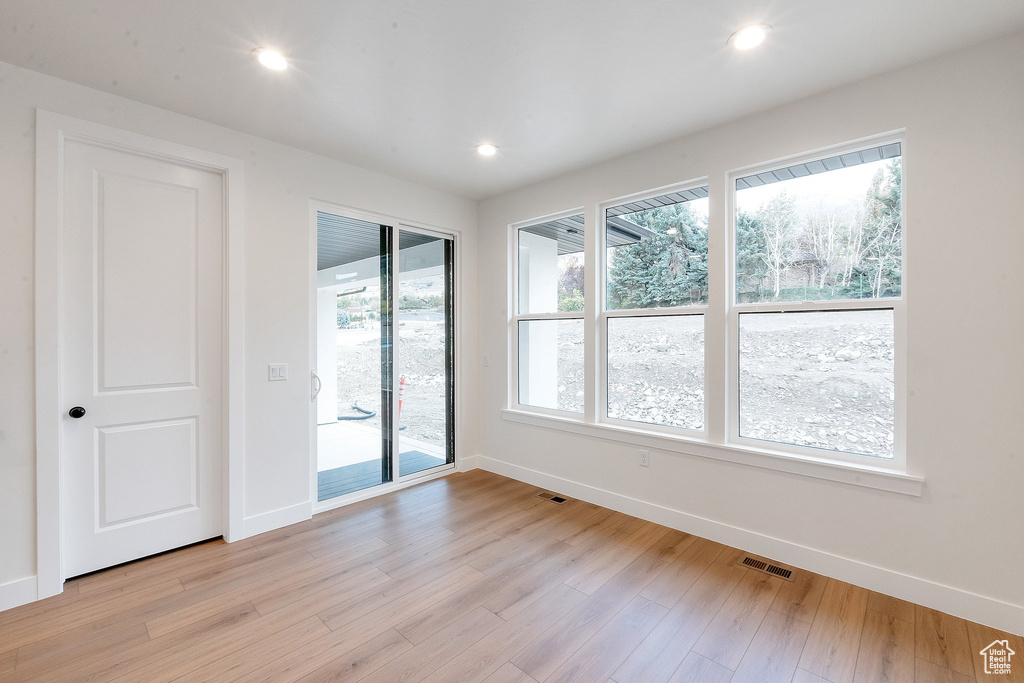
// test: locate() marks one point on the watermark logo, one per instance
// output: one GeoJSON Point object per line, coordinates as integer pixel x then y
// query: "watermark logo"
{"type": "Point", "coordinates": [997, 657]}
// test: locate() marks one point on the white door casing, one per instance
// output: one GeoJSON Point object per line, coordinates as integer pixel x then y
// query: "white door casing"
{"type": "Point", "coordinates": [147, 268]}
{"type": "Point", "coordinates": [141, 313]}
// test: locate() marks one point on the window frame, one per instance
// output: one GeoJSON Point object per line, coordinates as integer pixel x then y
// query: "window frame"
{"type": "Point", "coordinates": [719, 440]}
{"type": "Point", "coordinates": [516, 317]}
{"type": "Point", "coordinates": [896, 304]}
{"type": "Point", "coordinates": [604, 314]}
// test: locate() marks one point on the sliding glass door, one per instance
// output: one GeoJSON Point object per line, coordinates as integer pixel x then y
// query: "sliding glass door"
{"type": "Point", "coordinates": [384, 354]}
{"type": "Point", "coordinates": [426, 391]}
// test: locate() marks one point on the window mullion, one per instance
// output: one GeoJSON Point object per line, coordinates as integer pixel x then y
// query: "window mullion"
{"type": "Point", "coordinates": [656, 312]}
{"type": "Point", "coordinates": [821, 305]}
{"type": "Point", "coordinates": [717, 339]}
{"type": "Point", "coordinates": [592, 369]}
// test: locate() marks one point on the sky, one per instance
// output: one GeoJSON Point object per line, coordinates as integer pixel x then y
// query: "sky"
{"type": "Point", "coordinates": [844, 188]}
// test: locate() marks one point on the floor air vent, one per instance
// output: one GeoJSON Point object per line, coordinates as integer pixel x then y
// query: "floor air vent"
{"type": "Point", "coordinates": [767, 568]}
{"type": "Point", "coordinates": [552, 497]}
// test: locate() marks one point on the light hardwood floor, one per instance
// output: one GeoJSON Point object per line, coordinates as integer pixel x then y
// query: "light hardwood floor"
{"type": "Point", "coordinates": [475, 578]}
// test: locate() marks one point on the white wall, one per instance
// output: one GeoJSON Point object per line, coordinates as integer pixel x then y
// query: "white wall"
{"type": "Point", "coordinates": [958, 547]}
{"type": "Point", "coordinates": [279, 183]}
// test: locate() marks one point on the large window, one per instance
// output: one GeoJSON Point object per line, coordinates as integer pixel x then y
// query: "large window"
{"type": "Point", "coordinates": [765, 316]}
{"type": "Point", "coordinates": [656, 257]}
{"type": "Point", "coordinates": [549, 320]}
{"type": "Point", "coordinates": [818, 271]}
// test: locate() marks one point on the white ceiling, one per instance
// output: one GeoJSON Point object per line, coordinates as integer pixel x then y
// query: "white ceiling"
{"type": "Point", "coordinates": [409, 87]}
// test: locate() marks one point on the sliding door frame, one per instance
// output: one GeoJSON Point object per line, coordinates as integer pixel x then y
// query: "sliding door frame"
{"type": "Point", "coordinates": [451, 382]}
{"type": "Point", "coordinates": [397, 225]}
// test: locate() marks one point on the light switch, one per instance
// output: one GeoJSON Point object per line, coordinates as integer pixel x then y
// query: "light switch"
{"type": "Point", "coordinates": [277, 372]}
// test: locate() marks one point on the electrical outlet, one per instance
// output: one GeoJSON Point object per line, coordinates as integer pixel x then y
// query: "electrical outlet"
{"type": "Point", "coordinates": [487, 360]}
{"type": "Point", "coordinates": [645, 458]}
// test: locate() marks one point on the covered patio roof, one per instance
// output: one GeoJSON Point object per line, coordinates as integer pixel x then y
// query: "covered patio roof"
{"type": "Point", "coordinates": [568, 232]}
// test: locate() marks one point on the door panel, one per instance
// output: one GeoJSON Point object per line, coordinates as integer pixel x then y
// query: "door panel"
{"type": "Point", "coordinates": [354, 354]}
{"type": "Point", "coordinates": [146, 470]}
{"type": "Point", "coordinates": [425, 352]}
{"type": "Point", "coordinates": [142, 316]}
{"type": "Point", "coordinates": [139, 344]}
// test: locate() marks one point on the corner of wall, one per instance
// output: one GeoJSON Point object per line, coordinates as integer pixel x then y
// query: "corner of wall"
{"type": "Point", "coordinates": [18, 592]}
{"type": "Point", "coordinates": [468, 463]}
{"type": "Point", "coordinates": [275, 519]}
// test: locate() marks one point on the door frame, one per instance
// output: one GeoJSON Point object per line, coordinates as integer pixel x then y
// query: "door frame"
{"type": "Point", "coordinates": [397, 224]}
{"type": "Point", "coordinates": [52, 130]}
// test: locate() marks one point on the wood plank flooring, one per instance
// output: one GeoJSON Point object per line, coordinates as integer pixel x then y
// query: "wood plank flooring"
{"type": "Point", "coordinates": [473, 577]}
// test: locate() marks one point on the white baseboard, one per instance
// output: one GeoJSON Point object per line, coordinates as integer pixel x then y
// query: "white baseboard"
{"type": "Point", "coordinates": [466, 464]}
{"type": "Point", "coordinates": [18, 592]}
{"type": "Point", "coordinates": [964, 604]}
{"type": "Point", "coordinates": [275, 519]}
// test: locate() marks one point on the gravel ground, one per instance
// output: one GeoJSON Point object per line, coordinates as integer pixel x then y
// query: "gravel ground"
{"type": "Point", "coordinates": [823, 380]}
{"type": "Point", "coordinates": [819, 379]}
{"type": "Point", "coordinates": [656, 370]}
{"type": "Point", "coordinates": [421, 346]}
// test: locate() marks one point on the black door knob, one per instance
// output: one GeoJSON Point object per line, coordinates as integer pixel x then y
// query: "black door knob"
{"type": "Point", "coordinates": [77, 412]}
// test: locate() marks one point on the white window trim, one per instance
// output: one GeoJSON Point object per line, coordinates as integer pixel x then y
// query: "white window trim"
{"type": "Point", "coordinates": [883, 479]}
{"type": "Point", "coordinates": [515, 317]}
{"type": "Point", "coordinates": [604, 314]}
{"type": "Point", "coordinates": [898, 463]}
{"type": "Point", "coordinates": [859, 470]}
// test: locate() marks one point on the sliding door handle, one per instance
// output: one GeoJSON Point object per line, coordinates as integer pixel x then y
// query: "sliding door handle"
{"type": "Point", "coordinates": [316, 385]}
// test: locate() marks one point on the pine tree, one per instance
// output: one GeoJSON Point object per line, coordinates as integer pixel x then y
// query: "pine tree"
{"type": "Point", "coordinates": [750, 256]}
{"type": "Point", "coordinates": [667, 269]}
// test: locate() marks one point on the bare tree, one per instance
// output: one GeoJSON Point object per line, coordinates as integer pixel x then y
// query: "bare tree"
{"type": "Point", "coordinates": [778, 224]}
{"type": "Point", "coordinates": [825, 230]}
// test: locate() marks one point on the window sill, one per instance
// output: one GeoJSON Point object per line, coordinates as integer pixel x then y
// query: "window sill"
{"type": "Point", "coordinates": [819, 468]}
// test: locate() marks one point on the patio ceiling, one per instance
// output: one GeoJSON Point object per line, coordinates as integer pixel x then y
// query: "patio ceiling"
{"type": "Point", "coordinates": [341, 240]}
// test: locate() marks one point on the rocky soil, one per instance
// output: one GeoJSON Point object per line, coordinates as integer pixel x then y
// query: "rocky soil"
{"type": "Point", "coordinates": [819, 379]}
{"type": "Point", "coordinates": [823, 380]}
{"type": "Point", "coordinates": [656, 371]}
{"type": "Point", "coordinates": [421, 346]}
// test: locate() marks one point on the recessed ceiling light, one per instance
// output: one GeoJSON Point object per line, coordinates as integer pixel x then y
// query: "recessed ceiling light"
{"type": "Point", "coordinates": [272, 59]}
{"type": "Point", "coordinates": [749, 36]}
{"type": "Point", "coordinates": [486, 150]}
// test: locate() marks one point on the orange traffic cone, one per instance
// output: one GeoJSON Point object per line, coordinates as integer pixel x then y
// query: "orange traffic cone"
{"type": "Point", "coordinates": [401, 392]}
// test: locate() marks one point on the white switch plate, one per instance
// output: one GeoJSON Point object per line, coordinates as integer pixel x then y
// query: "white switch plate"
{"type": "Point", "coordinates": [487, 360]}
{"type": "Point", "coordinates": [277, 372]}
{"type": "Point", "coordinates": [645, 458]}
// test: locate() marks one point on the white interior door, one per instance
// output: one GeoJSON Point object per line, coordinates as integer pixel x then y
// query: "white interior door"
{"type": "Point", "coordinates": [141, 297]}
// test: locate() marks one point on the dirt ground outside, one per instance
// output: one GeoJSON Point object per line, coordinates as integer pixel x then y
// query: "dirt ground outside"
{"type": "Point", "coordinates": [823, 380]}
{"type": "Point", "coordinates": [422, 356]}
